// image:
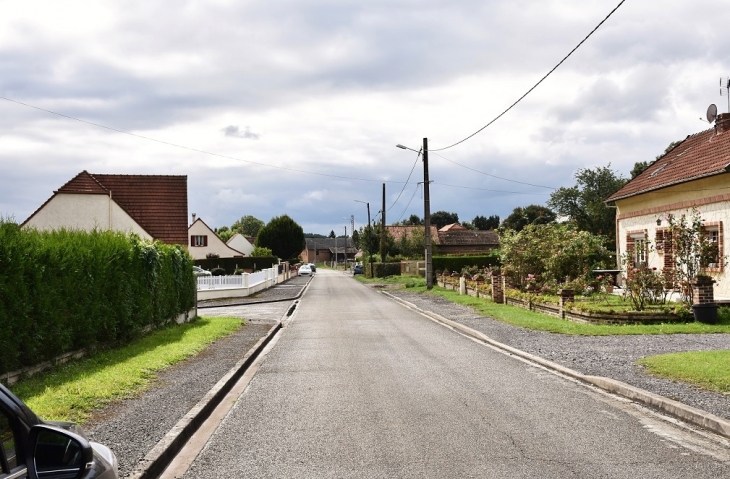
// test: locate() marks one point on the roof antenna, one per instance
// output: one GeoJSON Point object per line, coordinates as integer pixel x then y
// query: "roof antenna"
{"type": "Point", "coordinates": [725, 84]}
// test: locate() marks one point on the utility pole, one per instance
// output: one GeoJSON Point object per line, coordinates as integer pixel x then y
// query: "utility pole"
{"type": "Point", "coordinates": [426, 216]}
{"type": "Point", "coordinates": [382, 230]}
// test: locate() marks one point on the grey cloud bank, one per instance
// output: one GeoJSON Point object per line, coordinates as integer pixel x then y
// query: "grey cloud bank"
{"type": "Point", "coordinates": [322, 92]}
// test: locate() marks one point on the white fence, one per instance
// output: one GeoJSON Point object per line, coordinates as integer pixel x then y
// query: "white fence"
{"type": "Point", "coordinates": [245, 284]}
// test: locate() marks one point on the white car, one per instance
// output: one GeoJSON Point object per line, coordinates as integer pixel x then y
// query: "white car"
{"type": "Point", "coordinates": [305, 270]}
{"type": "Point", "coordinates": [198, 271]}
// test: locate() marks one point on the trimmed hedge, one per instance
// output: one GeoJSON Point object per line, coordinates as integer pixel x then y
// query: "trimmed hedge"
{"type": "Point", "coordinates": [457, 263]}
{"type": "Point", "coordinates": [382, 270]}
{"type": "Point", "coordinates": [252, 263]}
{"type": "Point", "coordinates": [62, 291]}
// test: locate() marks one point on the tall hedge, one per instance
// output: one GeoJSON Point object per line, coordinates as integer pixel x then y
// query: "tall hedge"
{"type": "Point", "coordinates": [66, 290]}
{"type": "Point", "coordinates": [457, 263]}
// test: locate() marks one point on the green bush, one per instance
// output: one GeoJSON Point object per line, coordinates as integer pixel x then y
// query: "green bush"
{"type": "Point", "coordinates": [230, 265]}
{"type": "Point", "coordinates": [382, 270]}
{"type": "Point", "coordinates": [218, 272]}
{"type": "Point", "coordinates": [66, 290]}
{"type": "Point", "coordinates": [459, 263]}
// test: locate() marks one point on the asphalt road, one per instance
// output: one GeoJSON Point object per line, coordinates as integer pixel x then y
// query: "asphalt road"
{"type": "Point", "coordinates": [359, 386]}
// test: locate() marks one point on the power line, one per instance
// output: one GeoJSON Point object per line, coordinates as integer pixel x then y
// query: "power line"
{"type": "Point", "coordinates": [407, 180]}
{"type": "Point", "coordinates": [489, 174]}
{"type": "Point", "coordinates": [193, 149]}
{"type": "Point", "coordinates": [536, 84]}
{"type": "Point", "coordinates": [409, 202]}
{"type": "Point", "coordinates": [487, 189]}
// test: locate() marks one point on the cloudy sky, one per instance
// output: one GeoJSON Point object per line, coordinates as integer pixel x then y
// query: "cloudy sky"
{"type": "Point", "coordinates": [295, 106]}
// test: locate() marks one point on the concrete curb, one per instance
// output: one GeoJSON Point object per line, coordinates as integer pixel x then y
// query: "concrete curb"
{"type": "Point", "coordinates": [157, 460]}
{"type": "Point", "coordinates": [673, 408]}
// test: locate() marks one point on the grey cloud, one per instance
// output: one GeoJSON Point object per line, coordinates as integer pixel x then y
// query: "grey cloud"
{"type": "Point", "coordinates": [233, 130]}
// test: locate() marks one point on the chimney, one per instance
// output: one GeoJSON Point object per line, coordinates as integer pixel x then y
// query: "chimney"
{"type": "Point", "coordinates": [193, 217]}
{"type": "Point", "coordinates": [722, 123]}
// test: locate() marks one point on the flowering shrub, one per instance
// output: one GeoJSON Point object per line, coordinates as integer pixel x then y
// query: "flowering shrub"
{"type": "Point", "coordinates": [644, 285]}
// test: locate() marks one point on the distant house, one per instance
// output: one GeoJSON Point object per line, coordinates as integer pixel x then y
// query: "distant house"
{"type": "Point", "coordinates": [204, 241]}
{"type": "Point", "coordinates": [456, 239]}
{"type": "Point", "coordinates": [152, 206]}
{"type": "Point", "coordinates": [241, 243]}
{"type": "Point", "coordinates": [692, 175]}
{"type": "Point", "coordinates": [328, 250]}
{"type": "Point", "coordinates": [452, 239]}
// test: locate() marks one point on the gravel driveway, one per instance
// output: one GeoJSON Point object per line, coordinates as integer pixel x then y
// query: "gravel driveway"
{"type": "Point", "coordinates": [609, 356]}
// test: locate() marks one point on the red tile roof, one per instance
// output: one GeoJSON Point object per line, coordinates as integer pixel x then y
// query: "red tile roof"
{"type": "Point", "coordinates": [158, 203]}
{"type": "Point", "coordinates": [700, 155]}
{"type": "Point", "coordinates": [398, 231]}
{"type": "Point", "coordinates": [453, 227]}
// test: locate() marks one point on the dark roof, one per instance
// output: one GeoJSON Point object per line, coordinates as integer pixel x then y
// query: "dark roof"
{"type": "Point", "coordinates": [700, 155]}
{"type": "Point", "coordinates": [468, 237]}
{"type": "Point", "coordinates": [158, 203]}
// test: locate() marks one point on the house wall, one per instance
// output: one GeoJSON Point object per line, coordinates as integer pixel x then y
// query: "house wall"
{"type": "Point", "coordinates": [240, 243]}
{"type": "Point", "coordinates": [215, 244]}
{"type": "Point", "coordinates": [84, 212]}
{"type": "Point", "coordinates": [640, 213]}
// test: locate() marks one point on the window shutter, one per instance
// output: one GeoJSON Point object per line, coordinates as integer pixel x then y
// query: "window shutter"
{"type": "Point", "coordinates": [205, 240]}
{"type": "Point", "coordinates": [192, 240]}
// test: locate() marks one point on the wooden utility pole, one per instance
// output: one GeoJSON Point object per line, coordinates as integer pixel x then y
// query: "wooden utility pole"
{"type": "Point", "coordinates": [382, 230]}
{"type": "Point", "coordinates": [427, 216]}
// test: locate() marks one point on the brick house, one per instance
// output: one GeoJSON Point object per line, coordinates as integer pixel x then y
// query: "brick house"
{"type": "Point", "coordinates": [692, 175]}
{"type": "Point", "coordinates": [154, 207]}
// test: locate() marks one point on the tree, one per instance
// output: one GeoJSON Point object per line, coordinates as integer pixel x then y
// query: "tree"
{"type": "Point", "coordinates": [530, 215]}
{"type": "Point", "coordinates": [259, 251]}
{"type": "Point", "coordinates": [484, 224]}
{"type": "Point", "coordinates": [224, 233]}
{"type": "Point", "coordinates": [550, 253]}
{"type": "Point", "coordinates": [413, 220]}
{"type": "Point", "coordinates": [443, 218]}
{"type": "Point", "coordinates": [247, 226]}
{"type": "Point", "coordinates": [332, 234]}
{"type": "Point", "coordinates": [283, 236]}
{"type": "Point", "coordinates": [584, 204]}
{"type": "Point", "coordinates": [639, 168]}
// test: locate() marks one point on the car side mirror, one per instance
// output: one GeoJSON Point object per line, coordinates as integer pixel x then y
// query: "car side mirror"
{"type": "Point", "coordinates": [55, 453]}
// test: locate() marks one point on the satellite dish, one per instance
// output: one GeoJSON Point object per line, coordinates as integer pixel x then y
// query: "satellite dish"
{"type": "Point", "coordinates": [711, 113]}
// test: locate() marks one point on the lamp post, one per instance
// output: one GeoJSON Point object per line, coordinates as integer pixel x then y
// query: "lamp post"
{"type": "Point", "coordinates": [368, 238]}
{"type": "Point", "coordinates": [426, 212]}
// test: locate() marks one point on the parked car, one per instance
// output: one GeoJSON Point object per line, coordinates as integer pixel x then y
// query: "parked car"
{"type": "Point", "coordinates": [358, 269]}
{"type": "Point", "coordinates": [32, 447]}
{"type": "Point", "coordinates": [305, 270]}
{"type": "Point", "coordinates": [198, 271]}
{"type": "Point", "coordinates": [313, 267]}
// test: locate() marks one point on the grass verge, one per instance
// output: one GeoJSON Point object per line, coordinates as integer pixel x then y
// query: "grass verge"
{"type": "Point", "coordinates": [704, 369]}
{"type": "Point", "coordinates": [542, 322]}
{"type": "Point", "coordinates": [72, 391]}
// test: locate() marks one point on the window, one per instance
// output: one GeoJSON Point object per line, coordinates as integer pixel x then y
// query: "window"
{"type": "Point", "coordinates": [713, 259]}
{"type": "Point", "coordinates": [636, 246]}
{"type": "Point", "coordinates": [8, 441]}
{"type": "Point", "coordinates": [199, 240]}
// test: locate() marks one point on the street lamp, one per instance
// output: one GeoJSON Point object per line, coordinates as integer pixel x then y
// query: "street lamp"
{"type": "Point", "coordinates": [426, 211]}
{"type": "Point", "coordinates": [368, 238]}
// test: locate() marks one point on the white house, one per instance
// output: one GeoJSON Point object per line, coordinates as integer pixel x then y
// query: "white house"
{"type": "Point", "coordinates": [152, 206]}
{"type": "Point", "coordinates": [240, 243]}
{"type": "Point", "coordinates": [694, 175]}
{"type": "Point", "coordinates": [204, 241]}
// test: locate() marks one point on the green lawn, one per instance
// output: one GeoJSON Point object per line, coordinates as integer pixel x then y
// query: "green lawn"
{"type": "Point", "coordinates": [542, 322]}
{"type": "Point", "coordinates": [704, 369]}
{"type": "Point", "coordinates": [71, 392]}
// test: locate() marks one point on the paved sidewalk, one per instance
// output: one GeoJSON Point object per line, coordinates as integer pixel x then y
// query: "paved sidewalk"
{"type": "Point", "coordinates": [288, 290]}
